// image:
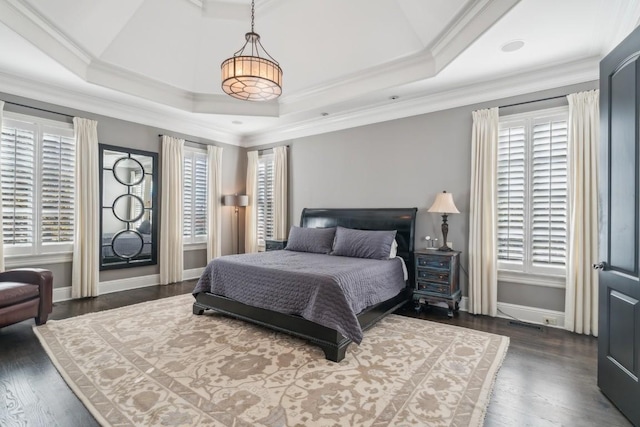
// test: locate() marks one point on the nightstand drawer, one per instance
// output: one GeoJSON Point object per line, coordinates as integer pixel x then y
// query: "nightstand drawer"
{"type": "Point", "coordinates": [438, 262]}
{"type": "Point", "coordinates": [432, 275]}
{"type": "Point", "coordinates": [434, 287]}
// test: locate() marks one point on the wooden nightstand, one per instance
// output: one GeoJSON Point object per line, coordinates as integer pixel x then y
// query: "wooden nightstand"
{"type": "Point", "coordinates": [437, 278]}
{"type": "Point", "coordinates": [274, 245]}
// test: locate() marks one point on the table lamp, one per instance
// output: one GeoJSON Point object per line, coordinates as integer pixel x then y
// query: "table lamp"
{"type": "Point", "coordinates": [444, 205]}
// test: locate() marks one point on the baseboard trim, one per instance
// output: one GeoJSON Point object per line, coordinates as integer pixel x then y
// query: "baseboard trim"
{"type": "Point", "coordinates": [524, 313]}
{"type": "Point", "coordinates": [61, 294]}
{"type": "Point", "coordinates": [129, 283]}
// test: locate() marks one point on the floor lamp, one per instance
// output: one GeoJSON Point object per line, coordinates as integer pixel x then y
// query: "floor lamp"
{"type": "Point", "coordinates": [236, 201]}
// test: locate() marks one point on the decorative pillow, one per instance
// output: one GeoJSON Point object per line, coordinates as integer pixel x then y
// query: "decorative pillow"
{"type": "Point", "coordinates": [374, 244]}
{"type": "Point", "coordinates": [316, 240]}
{"type": "Point", "coordinates": [145, 227]}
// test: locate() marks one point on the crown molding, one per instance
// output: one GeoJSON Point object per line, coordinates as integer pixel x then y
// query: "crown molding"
{"type": "Point", "coordinates": [131, 109]}
{"type": "Point", "coordinates": [478, 92]}
{"type": "Point", "coordinates": [477, 18]}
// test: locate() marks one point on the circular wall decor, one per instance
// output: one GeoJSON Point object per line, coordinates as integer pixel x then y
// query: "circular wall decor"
{"type": "Point", "coordinates": [128, 207]}
{"type": "Point", "coordinates": [128, 171]}
{"type": "Point", "coordinates": [127, 244]}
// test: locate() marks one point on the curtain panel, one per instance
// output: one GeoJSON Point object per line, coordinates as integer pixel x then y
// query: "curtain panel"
{"type": "Point", "coordinates": [86, 241]}
{"type": "Point", "coordinates": [214, 202]}
{"type": "Point", "coordinates": [251, 213]}
{"type": "Point", "coordinates": [581, 298]}
{"type": "Point", "coordinates": [171, 246]}
{"type": "Point", "coordinates": [280, 194]}
{"type": "Point", "coordinates": [483, 265]}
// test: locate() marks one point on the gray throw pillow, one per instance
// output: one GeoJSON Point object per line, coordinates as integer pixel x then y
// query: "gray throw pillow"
{"type": "Point", "coordinates": [316, 240]}
{"type": "Point", "coordinates": [374, 244]}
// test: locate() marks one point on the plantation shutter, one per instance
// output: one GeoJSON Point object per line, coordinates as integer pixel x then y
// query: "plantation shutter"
{"type": "Point", "coordinates": [266, 178]}
{"type": "Point", "coordinates": [511, 193]}
{"type": "Point", "coordinates": [200, 194]}
{"type": "Point", "coordinates": [187, 199]}
{"type": "Point", "coordinates": [195, 196]}
{"type": "Point", "coordinates": [17, 156]}
{"type": "Point", "coordinates": [58, 188]}
{"type": "Point", "coordinates": [549, 192]}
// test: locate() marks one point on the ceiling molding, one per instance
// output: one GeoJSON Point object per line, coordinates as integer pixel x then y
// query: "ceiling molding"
{"type": "Point", "coordinates": [120, 79]}
{"type": "Point", "coordinates": [31, 25]}
{"type": "Point", "coordinates": [478, 92]}
{"type": "Point", "coordinates": [131, 110]}
{"type": "Point", "coordinates": [477, 18]}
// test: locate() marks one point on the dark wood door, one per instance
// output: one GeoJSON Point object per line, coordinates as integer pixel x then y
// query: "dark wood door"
{"type": "Point", "coordinates": [619, 293]}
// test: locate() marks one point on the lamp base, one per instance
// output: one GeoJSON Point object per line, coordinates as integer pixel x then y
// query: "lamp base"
{"type": "Point", "coordinates": [445, 248]}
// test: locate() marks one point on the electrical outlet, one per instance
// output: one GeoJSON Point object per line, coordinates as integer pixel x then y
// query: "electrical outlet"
{"type": "Point", "coordinates": [552, 321]}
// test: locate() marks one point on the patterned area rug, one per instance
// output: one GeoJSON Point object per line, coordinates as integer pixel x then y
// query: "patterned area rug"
{"type": "Point", "coordinates": [157, 364]}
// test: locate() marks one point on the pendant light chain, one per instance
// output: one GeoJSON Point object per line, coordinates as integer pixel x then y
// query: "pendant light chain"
{"type": "Point", "coordinates": [252, 13]}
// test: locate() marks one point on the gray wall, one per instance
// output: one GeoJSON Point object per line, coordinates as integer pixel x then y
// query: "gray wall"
{"type": "Point", "coordinates": [133, 135]}
{"type": "Point", "coordinates": [404, 163]}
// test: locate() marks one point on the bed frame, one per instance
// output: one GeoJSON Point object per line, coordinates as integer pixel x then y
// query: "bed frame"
{"type": "Point", "coordinates": [333, 343]}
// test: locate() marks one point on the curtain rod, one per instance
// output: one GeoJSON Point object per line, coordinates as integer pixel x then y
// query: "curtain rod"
{"type": "Point", "coordinates": [531, 102]}
{"type": "Point", "coordinates": [39, 109]}
{"type": "Point", "coordinates": [186, 140]}
{"type": "Point", "coordinates": [264, 150]}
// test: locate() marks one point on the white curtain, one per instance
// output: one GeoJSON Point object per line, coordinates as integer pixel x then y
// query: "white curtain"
{"type": "Point", "coordinates": [483, 268]}
{"type": "Point", "coordinates": [581, 299]}
{"type": "Point", "coordinates": [171, 251]}
{"type": "Point", "coordinates": [1, 235]}
{"type": "Point", "coordinates": [251, 218]}
{"type": "Point", "coordinates": [214, 202]}
{"type": "Point", "coordinates": [280, 192]}
{"type": "Point", "coordinates": [86, 241]}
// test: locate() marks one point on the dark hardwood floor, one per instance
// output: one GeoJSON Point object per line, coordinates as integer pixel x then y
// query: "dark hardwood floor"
{"type": "Point", "coordinates": [548, 377]}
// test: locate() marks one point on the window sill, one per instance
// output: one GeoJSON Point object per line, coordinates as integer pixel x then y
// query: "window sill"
{"type": "Point", "coordinates": [194, 246]}
{"type": "Point", "coordinates": [546, 280]}
{"type": "Point", "coordinates": [17, 261]}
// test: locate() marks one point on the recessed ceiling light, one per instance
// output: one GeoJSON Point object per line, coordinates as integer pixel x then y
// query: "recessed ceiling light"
{"type": "Point", "coordinates": [236, 122]}
{"type": "Point", "coordinates": [394, 97]}
{"type": "Point", "coordinates": [512, 46]}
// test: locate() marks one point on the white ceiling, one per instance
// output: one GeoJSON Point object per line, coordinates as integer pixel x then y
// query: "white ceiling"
{"type": "Point", "coordinates": [158, 62]}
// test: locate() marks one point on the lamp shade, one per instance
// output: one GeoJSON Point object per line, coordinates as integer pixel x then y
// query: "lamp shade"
{"type": "Point", "coordinates": [243, 200]}
{"type": "Point", "coordinates": [230, 200]}
{"type": "Point", "coordinates": [444, 204]}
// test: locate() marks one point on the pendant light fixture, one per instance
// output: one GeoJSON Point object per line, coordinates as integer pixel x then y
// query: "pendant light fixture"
{"type": "Point", "coordinates": [249, 76]}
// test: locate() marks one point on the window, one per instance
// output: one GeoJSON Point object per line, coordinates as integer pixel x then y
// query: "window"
{"type": "Point", "coordinates": [38, 185]}
{"type": "Point", "coordinates": [194, 224]}
{"type": "Point", "coordinates": [265, 195]}
{"type": "Point", "coordinates": [532, 192]}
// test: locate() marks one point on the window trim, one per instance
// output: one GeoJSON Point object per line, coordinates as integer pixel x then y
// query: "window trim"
{"type": "Point", "coordinates": [529, 273]}
{"type": "Point", "coordinates": [19, 254]}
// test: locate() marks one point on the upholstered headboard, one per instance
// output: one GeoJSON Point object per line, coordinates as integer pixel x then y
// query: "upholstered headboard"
{"type": "Point", "coordinates": [403, 220]}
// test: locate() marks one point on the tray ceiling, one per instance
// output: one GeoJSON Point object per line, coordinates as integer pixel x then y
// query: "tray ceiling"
{"type": "Point", "coordinates": [343, 58]}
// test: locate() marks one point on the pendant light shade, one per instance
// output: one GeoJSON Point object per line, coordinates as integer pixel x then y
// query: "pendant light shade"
{"type": "Point", "coordinates": [250, 76]}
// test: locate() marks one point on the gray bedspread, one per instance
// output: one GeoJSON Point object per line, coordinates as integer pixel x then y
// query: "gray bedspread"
{"type": "Point", "coordinates": [326, 289]}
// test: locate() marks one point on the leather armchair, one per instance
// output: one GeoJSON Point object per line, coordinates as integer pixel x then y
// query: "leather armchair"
{"type": "Point", "coordinates": [25, 293]}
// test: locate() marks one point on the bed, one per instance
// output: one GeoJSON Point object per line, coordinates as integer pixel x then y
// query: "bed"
{"type": "Point", "coordinates": [333, 338]}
